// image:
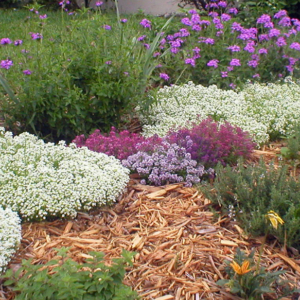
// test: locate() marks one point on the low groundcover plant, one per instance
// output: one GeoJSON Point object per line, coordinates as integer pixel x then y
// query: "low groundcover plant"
{"type": "Point", "coordinates": [41, 180]}
{"type": "Point", "coordinates": [10, 235]}
{"type": "Point", "coordinates": [266, 111]}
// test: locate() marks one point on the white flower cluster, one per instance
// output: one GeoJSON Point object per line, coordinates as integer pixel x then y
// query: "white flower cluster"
{"type": "Point", "coordinates": [10, 235]}
{"type": "Point", "coordinates": [41, 180]}
{"type": "Point", "coordinates": [262, 110]}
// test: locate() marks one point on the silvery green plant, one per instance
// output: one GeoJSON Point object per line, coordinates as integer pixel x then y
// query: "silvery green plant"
{"type": "Point", "coordinates": [266, 111]}
{"type": "Point", "coordinates": [42, 180]}
{"type": "Point", "coordinates": [10, 235]}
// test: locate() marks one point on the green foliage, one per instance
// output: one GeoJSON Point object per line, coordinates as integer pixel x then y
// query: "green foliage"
{"type": "Point", "coordinates": [247, 193]}
{"type": "Point", "coordinates": [291, 152]}
{"type": "Point", "coordinates": [253, 281]}
{"type": "Point", "coordinates": [85, 74]}
{"type": "Point", "coordinates": [70, 280]}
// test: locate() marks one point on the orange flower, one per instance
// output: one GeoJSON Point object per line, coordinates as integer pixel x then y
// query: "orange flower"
{"type": "Point", "coordinates": [241, 270]}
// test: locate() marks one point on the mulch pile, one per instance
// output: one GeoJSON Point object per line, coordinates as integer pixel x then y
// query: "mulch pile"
{"type": "Point", "coordinates": [181, 245]}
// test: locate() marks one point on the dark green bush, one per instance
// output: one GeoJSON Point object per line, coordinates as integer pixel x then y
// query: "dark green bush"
{"type": "Point", "coordinates": [248, 193]}
{"type": "Point", "coordinates": [70, 280]}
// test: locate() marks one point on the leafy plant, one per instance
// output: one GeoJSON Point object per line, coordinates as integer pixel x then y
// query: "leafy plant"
{"type": "Point", "coordinates": [248, 193]}
{"type": "Point", "coordinates": [71, 280]}
{"type": "Point", "coordinates": [250, 281]}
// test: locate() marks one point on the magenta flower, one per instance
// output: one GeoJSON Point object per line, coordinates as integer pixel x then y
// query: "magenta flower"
{"type": "Point", "coordinates": [213, 63]}
{"type": "Point", "coordinates": [99, 3]}
{"type": "Point", "coordinates": [249, 48]}
{"type": "Point", "coordinates": [43, 16]}
{"type": "Point", "coordinates": [236, 26]}
{"type": "Point", "coordinates": [295, 46]}
{"type": "Point", "coordinates": [18, 42]}
{"type": "Point", "coordinates": [263, 37]}
{"type": "Point", "coordinates": [269, 25]}
{"type": "Point", "coordinates": [155, 54]}
{"type": "Point", "coordinates": [5, 41]}
{"type": "Point", "coordinates": [256, 76]}
{"type": "Point", "coordinates": [6, 64]}
{"type": "Point", "coordinates": [290, 68]}
{"type": "Point", "coordinates": [192, 11]}
{"type": "Point", "coordinates": [293, 60]}
{"type": "Point", "coordinates": [234, 48]}
{"type": "Point", "coordinates": [196, 50]}
{"type": "Point", "coordinates": [213, 14]}
{"type": "Point", "coordinates": [124, 20]}
{"type": "Point", "coordinates": [209, 41]}
{"type": "Point", "coordinates": [107, 27]}
{"type": "Point", "coordinates": [224, 74]}
{"type": "Point", "coordinates": [164, 76]}
{"type": "Point", "coordinates": [146, 23]}
{"type": "Point", "coordinates": [196, 27]}
{"type": "Point", "coordinates": [147, 46]}
{"type": "Point", "coordinates": [232, 85]}
{"type": "Point", "coordinates": [108, 62]}
{"type": "Point", "coordinates": [235, 62]}
{"type": "Point", "coordinates": [27, 72]}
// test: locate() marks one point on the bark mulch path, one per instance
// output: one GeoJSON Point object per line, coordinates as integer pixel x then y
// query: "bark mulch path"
{"type": "Point", "coordinates": [181, 245]}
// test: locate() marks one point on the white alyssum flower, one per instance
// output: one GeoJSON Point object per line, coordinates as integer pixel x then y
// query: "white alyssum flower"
{"type": "Point", "coordinates": [264, 110]}
{"type": "Point", "coordinates": [10, 235]}
{"type": "Point", "coordinates": [41, 180]}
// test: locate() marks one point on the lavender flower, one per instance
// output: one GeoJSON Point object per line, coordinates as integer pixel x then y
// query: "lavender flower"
{"type": "Point", "coordinates": [236, 26]}
{"type": "Point", "coordinates": [234, 48]}
{"type": "Point", "coordinates": [141, 38]}
{"type": "Point", "coordinates": [213, 63]}
{"type": "Point", "coordinates": [295, 46]}
{"type": "Point", "coordinates": [108, 62]}
{"type": "Point", "coordinates": [184, 32]}
{"type": "Point", "coordinates": [235, 62]}
{"type": "Point", "coordinates": [5, 41]}
{"type": "Point", "coordinates": [222, 4]}
{"type": "Point", "coordinates": [285, 22]}
{"type": "Point", "coordinates": [225, 17]}
{"type": "Point", "coordinates": [27, 72]}
{"type": "Point", "coordinates": [146, 23]}
{"type": "Point", "coordinates": [274, 32]}
{"type": "Point", "coordinates": [263, 19]}
{"type": "Point", "coordinates": [281, 42]}
{"type": "Point", "coordinates": [107, 27]}
{"type": "Point", "coordinates": [224, 74]}
{"type": "Point", "coordinates": [99, 3]}
{"type": "Point", "coordinates": [6, 64]}
{"type": "Point", "coordinates": [233, 11]}
{"type": "Point", "coordinates": [43, 17]}
{"type": "Point", "coordinates": [36, 36]}
{"type": "Point", "coordinates": [124, 20]}
{"type": "Point", "coordinates": [190, 61]}
{"type": "Point", "coordinates": [280, 14]}
{"type": "Point", "coordinates": [252, 63]}
{"type": "Point", "coordinates": [186, 21]}
{"type": "Point", "coordinates": [18, 42]}
{"type": "Point", "coordinates": [164, 76]}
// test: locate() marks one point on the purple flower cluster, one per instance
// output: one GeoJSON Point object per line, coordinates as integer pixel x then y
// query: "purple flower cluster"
{"type": "Point", "coordinates": [146, 23]}
{"type": "Point", "coordinates": [6, 64]}
{"type": "Point", "coordinates": [121, 145]}
{"type": "Point", "coordinates": [169, 163]}
{"type": "Point", "coordinates": [210, 143]}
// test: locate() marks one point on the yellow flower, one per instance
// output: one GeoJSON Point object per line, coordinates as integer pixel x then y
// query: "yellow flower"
{"type": "Point", "coordinates": [241, 270]}
{"type": "Point", "coordinates": [274, 218]}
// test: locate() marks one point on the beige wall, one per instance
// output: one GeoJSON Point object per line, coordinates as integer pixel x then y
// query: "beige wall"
{"type": "Point", "coordinates": [155, 7]}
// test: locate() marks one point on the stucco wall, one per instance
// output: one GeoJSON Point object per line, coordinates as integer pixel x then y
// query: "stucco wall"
{"type": "Point", "coordinates": [155, 7]}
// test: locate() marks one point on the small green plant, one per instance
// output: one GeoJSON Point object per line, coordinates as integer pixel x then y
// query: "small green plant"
{"type": "Point", "coordinates": [71, 280]}
{"type": "Point", "coordinates": [250, 281]}
{"type": "Point", "coordinates": [248, 193]}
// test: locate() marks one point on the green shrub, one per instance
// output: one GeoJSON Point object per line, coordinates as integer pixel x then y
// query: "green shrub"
{"type": "Point", "coordinates": [248, 193]}
{"type": "Point", "coordinates": [70, 280]}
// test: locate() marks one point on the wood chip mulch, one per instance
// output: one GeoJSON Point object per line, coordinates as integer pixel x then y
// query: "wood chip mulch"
{"type": "Point", "coordinates": [181, 245]}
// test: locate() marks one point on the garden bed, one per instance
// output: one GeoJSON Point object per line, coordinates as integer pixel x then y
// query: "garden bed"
{"type": "Point", "coordinates": [181, 246]}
